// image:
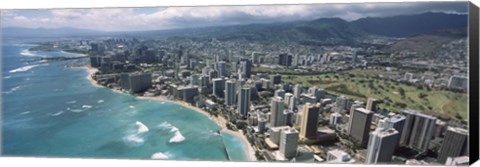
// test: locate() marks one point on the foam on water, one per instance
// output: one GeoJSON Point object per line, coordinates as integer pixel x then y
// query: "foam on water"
{"type": "Point", "coordinates": [57, 113]}
{"type": "Point", "coordinates": [134, 139]}
{"type": "Point", "coordinates": [13, 89]}
{"type": "Point", "coordinates": [100, 101]}
{"type": "Point", "coordinates": [178, 137]}
{"type": "Point", "coordinates": [71, 102]}
{"type": "Point", "coordinates": [26, 112]}
{"type": "Point", "coordinates": [7, 77]}
{"type": "Point", "coordinates": [74, 110]}
{"type": "Point", "coordinates": [26, 52]}
{"type": "Point", "coordinates": [23, 69]}
{"type": "Point", "coordinates": [160, 155]}
{"type": "Point", "coordinates": [86, 106]}
{"type": "Point", "coordinates": [131, 107]}
{"type": "Point", "coordinates": [141, 128]}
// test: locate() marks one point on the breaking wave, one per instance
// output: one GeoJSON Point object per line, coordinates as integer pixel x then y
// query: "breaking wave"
{"type": "Point", "coordinates": [13, 89]}
{"type": "Point", "coordinates": [135, 137]}
{"type": "Point", "coordinates": [178, 137]}
{"type": "Point", "coordinates": [100, 101]}
{"type": "Point", "coordinates": [142, 128]}
{"type": "Point", "coordinates": [26, 52]}
{"type": "Point", "coordinates": [86, 106]}
{"type": "Point", "coordinates": [160, 155]}
{"type": "Point", "coordinates": [23, 69]}
{"type": "Point", "coordinates": [57, 113]}
{"type": "Point", "coordinates": [26, 112]}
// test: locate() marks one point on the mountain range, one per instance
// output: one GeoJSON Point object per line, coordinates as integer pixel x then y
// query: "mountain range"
{"type": "Point", "coordinates": [319, 31]}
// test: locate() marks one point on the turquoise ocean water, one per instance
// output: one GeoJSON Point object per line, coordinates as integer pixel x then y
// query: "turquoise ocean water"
{"type": "Point", "coordinates": [52, 111]}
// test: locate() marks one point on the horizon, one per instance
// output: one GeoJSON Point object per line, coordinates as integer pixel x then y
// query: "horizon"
{"type": "Point", "coordinates": [174, 18]}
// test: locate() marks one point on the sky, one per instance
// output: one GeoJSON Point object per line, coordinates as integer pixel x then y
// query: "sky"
{"type": "Point", "coordinates": [137, 19]}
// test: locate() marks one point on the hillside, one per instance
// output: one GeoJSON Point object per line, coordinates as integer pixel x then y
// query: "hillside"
{"type": "Point", "coordinates": [409, 25]}
{"type": "Point", "coordinates": [427, 44]}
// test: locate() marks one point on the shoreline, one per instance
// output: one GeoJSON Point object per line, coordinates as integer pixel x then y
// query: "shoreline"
{"type": "Point", "coordinates": [220, 121]}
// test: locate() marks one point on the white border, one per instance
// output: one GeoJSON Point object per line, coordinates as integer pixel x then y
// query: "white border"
{"type": "Point", "coordinates": [42, 4]}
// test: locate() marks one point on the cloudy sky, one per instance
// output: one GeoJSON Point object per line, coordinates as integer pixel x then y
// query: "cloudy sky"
{"type": "Point", "coordinates": [134, 19]}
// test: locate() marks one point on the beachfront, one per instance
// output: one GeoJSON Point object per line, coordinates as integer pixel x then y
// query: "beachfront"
{"type": "Point", "coordinates": [220, 121]}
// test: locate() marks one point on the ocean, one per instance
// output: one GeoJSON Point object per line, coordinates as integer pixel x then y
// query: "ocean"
{"type": "Point", "coordinates": [49, 110]}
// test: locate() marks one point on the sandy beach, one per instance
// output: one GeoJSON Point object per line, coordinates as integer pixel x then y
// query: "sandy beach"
{"type": "Point", "coordinates": [220, 121]}
{"type": "Point", "coordinates": [92, 71]}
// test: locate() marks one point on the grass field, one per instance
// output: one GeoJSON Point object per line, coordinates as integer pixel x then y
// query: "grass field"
{"type": "Point", "coordinates": [395, 95]}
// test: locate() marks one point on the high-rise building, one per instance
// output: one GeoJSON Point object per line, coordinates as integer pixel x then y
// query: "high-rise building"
{"type": "Point", "coordinates": [318, 93]}
{"type": "Point", "coordinates": [230, 91]}
{"type": "Point", "coordinates": [309, 120]}
{"type": "Point", "coordinates": [372, 104]}
{"type": "Point", "coordinates": [359, 124]}
{"type": "Point", "coordinates": [297, 90]}
{"type": "Point", "coordinates": [135, 82]}
{"type": "Point", "coordinates": [380, 144]}
{"type": "Point", "coordinates": [455, 144]}
{"type": "Point", "coordinates": [219, 87]}
{"type": "Point", "coordinates": [246, 68]}
{"type": "Point", "coordinates": [296, 60]}
{"type": "Point", "coordinates": [243, 101]}
{"type": "Point", "coordinates": [195, 80]}
{"type": "Point", "coordinates": [255, 58]}
{"type": "Point", "coordinates": [277, 117]}
{"type": "Point", "coordinates": [276, 79]}
{"type": "Point", "coordinates": [396, 122]}
{"type": "Point", "coordinates": [212, 74]}
{"type": "Point", "coordinates": [285, 59]}
{"type": "Point", "coordinates": [418, 130]}
{"type": "Point", "coordinates": [293, 103]}
{"type": "Point", "coordinates": [289, 143]}
{"type": "Point", "coordinates": [335, 119]}
{"type": "Point", "coordinates": [221, 67]}
{"type": "Point", "coordinates": [188, 93]}
{"type": "Point", "coordinates": [287, 98]}
{"type": "Point", "coordinates": [280, 93]}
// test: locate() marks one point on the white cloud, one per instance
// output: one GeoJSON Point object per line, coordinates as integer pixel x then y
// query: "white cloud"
{"type": "Point", "coordinates": [121, 19]}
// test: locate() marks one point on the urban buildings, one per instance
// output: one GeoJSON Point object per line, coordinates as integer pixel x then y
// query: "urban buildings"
{"type": "Point", "coordinates": [359, 125]}
{"type": "Point", "coordinates": [289, 143]}
{"type": "Point", "coordinates": [455, 144]}
{"type": "Point", "coordinates": [135, 82]}
{"type": "Point", "coordinates": [309, 121]}
{"type": "Point", "coordinates": [277, 118]}
{"type": "Point", "coordinates": [396, 122]}
{"type": "Point", "coordinates": [381, 145]}
{"type": "Point", "coordinates": [219, 87]}
{"type": "Point", "coordinates": [188, 93]}
{"type": "Point", "coordinates": [244, 101]}
{"type": "Point", "coordinates": [230, 92]}
{"type": "Point", "coordinates": [418, 130]}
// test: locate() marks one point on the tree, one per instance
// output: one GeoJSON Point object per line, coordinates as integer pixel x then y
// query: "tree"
{"type": "Point", "coordinates": [402, 92]}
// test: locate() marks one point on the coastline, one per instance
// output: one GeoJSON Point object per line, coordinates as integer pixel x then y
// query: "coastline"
{"type": "Point", "coordinates": [220, 121]}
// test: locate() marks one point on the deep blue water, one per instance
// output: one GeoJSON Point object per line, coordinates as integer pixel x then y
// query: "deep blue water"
{"type": "Point", "coordinates": [52, 111]}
